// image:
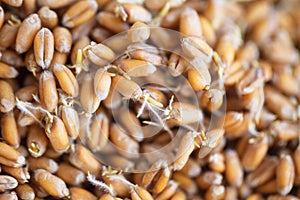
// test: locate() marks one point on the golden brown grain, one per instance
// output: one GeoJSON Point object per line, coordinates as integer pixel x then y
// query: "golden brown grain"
{"type": "Point", "coordinates": [58, 58]}
{"type": "Point", "coordinates": [70, 174]}
{"type": "Point", "coordinates": [54, 4]}
{"type": "Point", "coordinates": [102, 82]}
{"type": "Point", "coordinates": [111, 22]}
{"type": "Point", "coordinates": [138, 32]}
{"type": "Point", "coordinates": [10, 57]}
{"type": "Point", "coordinates": [195, 47]}
{"type": "Point", "coordinates": [51, 183]}
{"type": "Point", "coordinates": [148, 176]}
{"type": "Point", "coordinates": [125, 87]}
{"type": "Point", "coordinates": [7, 71]}
{"type": "Point", "coordinates": [77, 193]}
{"type": "Point", "coordinates": [57, 134]}
{"type": "Point", "coordinates": [297, 163]}
{"type": "Point", "coordinates": [190, 23]}
{"type": "Point", "coordinates": [140, 193]}
{"type": "Point", "coordinates": [7, 183]}
{"type": "Point", "coordinates": [150, 57]}
{"type": "Point", "coordinates": [162, 180]}
{"type": "Point", "coordinates": [131, 124]}
{"type": "Point", "coordinates": [99, 54]}
{"type": "Point", "coordinates": [70, 119]}
{"type": "Point", "coordinates": [215, 192]}
{"type": "Point", "coordinates": [236, 124]}
{"type": "Point", "coordinates": [212, 99]}
{"type": "Point", "coordinates": [9, 196]}
{"type": "Point", "coordinates": [36, 141]}
{"type": "Point", "coordinates": [284, 130]}
{"type": "Point", "coordinates": [216, 162]}
{"type": "Point", "coordinates": [99, 132]}
{"type": "Point", "coordinates": [285, 174]}
{"type": "Point", "coordinates": [62, 39]}
{"type": "Point", "coordinates": [176, 65]}
{"type": "Point", "coordinates": [79, 13]}
{"type": "Point", "coordinates": [25, 192]}
{"type": "Point", "coordinates": [7, 98]}
{"type": "Point", "coordinates": [9, 130]}
{"type": "Point", "coordinates": [100, 34]}
{"type": "Point", "coordinates": [274, 99]}
{"type": "Point", "coordinates": [121, 189]}
{"type": "Point", "coordinates": [88, 98]}
{"type": "Point", "coordinates": [31, 64]}
{"type": "Point", "coordinates": [6, 39]}
{"type": "Point", "coordinates": [263, 173]}
{"type": "Point", "coordinates": [255, 153]}
{"type": "Point", "coordinates": [168, 192]}
{"type": "Point", "coordinates": [185, 183]}
{"type": "Point", "coordinates": [233, 171]}
{"type": "Point", "coordinates": [179, 195]}
{"type": "Point", "coordinates": [10, 157]}
{"type": "Point", "coordinates": [124, 144]}
{"type": "Point", "coordinates": [21, 174]}
{"type": "Point", "coordinates": [83, 30]}
{"type": "Point", "coordinates": [66, 80]}
{"type": "Point", "coordinates": [113, 100]}
{"type": "Point", "coordinates": [43, 47]}
{"type": "Point", "coordinates": [42, 163]}
{"type": "Point", "coordinates": [209, 178]}
{"type": "Point", "coordinates": [29, 27]}
{"type": "Point", "coordinates": [199, 78]}
{"type": "Point", "coordinates": [48, 17]}
{"type": "Point", "coordinates": [81, 43]}
{"type": "Point", "coordinates": [137, 68]}
{"type": "Point", "coordinates": [186, 147]}
{"type": "Point", "coordinates": [29, 6]}
{"type": "Point", "coordinates": [185, 113]}
{"type": "Point", "coordinates": [208, 30]}
{"type": "Point", "coordinates": [191, 168]}
{"type": "Point", "coordinates": [47, 91]}
{"type": "Point", "coordinates": [83, 159]}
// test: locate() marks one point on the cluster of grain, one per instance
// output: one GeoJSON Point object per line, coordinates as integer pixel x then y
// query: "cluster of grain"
{"type": "Point", "coordinates": [88, 113]}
